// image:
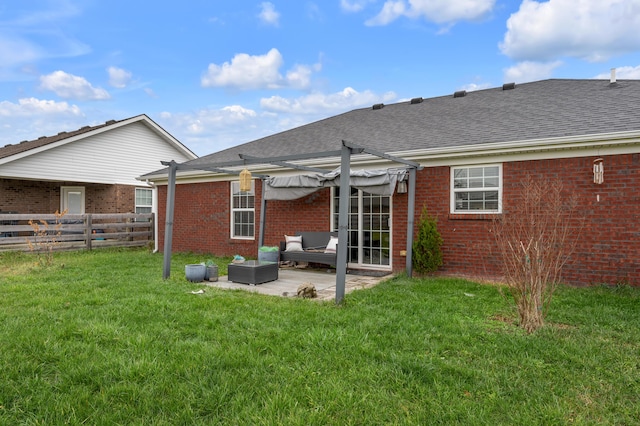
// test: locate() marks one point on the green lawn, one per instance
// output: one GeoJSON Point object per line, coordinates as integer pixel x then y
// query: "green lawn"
{"type": "Point", "coordinates": [104, 340]}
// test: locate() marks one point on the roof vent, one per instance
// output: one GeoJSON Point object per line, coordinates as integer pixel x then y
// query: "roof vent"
{"type": "Point", "coordinates": [24, 141]}
{"type": "Point", "coordinates": [42, 137]}
{"type": "Point", "coordinates": [508, 86]}
{"type": "Point", "coordinates": [460, 94]}
{"type": "Point", "coordinates": [85, 127]}
{"type": "Point", "coordinates": [378, 106]}
{"type": "Point", "coordinates": [62, 133]}
{"type": "Point", "coordinates": [109, 122]}
{"type": "Point", "coordinates": [612, 81]}
{"type": "Point", "coordinates": [416, 101]}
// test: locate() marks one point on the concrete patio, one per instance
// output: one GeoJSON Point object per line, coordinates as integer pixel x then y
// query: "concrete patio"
{"type": "Point", "coordinates": [289, 279]}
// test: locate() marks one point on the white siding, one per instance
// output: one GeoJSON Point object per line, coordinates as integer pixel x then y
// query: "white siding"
{"type": "Point", "coordinates": [115, 156]}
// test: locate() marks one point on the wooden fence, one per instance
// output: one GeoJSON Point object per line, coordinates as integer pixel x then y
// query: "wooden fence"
{"type": "Point", "coordinates": [32, 232]}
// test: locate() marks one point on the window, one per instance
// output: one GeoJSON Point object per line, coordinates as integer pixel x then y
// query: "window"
{"type": "Point", "coordinates": [476, 189]}
{"type": "Point", "coordinates": [144, 200]}
{"type": "Point", "coordinates": [72, 199]}
{"type": "Point", "coordinates": [242, 212]}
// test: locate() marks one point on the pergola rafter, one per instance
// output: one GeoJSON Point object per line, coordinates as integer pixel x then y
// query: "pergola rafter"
{"type": "Point", "coordinates": [344, 154]}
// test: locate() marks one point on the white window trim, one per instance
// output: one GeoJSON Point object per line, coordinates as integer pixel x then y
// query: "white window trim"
{"type": "Point", "coordinates": [452, 198]}
{"type": "Point", "coordinates": [135, 201]}
{"type": "Point", "coordinates": [64, 191]}
{"type": "Point", "coordinates": [232, 211]}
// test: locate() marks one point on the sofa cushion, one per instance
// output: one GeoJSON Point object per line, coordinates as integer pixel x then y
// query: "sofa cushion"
{"type": "Point", "coordinates": [294, 243]}
{"type": "Point", "coordinates": [331, 247]}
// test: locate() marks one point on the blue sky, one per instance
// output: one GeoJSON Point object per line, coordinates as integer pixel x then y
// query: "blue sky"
{"type": "Point", "coordinates": [217, 73]}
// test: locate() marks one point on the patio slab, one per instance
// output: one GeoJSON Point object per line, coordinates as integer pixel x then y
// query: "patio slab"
{"type": "Point", "coordinates": [289, 279]}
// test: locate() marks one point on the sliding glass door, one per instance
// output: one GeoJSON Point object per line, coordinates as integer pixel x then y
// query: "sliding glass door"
{"type": "Point", "coordinates": [369, 244]}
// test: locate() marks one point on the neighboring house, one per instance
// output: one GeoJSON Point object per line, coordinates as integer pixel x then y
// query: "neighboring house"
{"type": "Point", "coordinates": [89, 170]}
{"type": "Point", "coordinates": [475, 149]}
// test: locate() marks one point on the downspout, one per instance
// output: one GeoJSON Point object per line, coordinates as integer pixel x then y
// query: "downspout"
{"type": "Point", "coordinates": [154, 210]}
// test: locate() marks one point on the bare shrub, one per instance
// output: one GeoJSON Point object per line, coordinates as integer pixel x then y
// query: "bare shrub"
{"type": "Point", "coordinates": [535, 238]}
{"type": "Point", "coordinates": [45, 238]}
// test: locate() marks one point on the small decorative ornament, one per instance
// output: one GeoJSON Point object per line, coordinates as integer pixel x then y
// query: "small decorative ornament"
{"type": "Point", "coordinates": [598, 171]}
{"type": "Point", "coordinates": [245, 180]}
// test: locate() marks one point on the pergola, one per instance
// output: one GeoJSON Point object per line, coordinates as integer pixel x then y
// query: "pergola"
{"type": "Point", "coordinates": [286, 161]}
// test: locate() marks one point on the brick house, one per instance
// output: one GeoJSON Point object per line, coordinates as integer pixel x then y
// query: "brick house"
{"type": "Point", "coordinates": [475, 149]}
{"type": "Point", "coordinates": [89, 170]}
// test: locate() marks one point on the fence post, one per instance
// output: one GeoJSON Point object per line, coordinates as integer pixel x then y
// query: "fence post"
{"type": "Point", "coordinates": [88, 231]}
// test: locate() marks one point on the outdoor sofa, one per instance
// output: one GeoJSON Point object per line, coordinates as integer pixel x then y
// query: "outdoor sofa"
{"type": "Point", "coordinates": [314, 247]}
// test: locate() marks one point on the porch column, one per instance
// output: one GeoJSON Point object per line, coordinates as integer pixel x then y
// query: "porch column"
{"type": "Point", "coordinates": [168, 220]}
{"type": "Point", "coordinates": [410, 218]}
{"type": "Point", "coordinates": [343, 225]}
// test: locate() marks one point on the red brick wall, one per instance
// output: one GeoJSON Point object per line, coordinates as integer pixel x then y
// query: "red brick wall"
{"type": "Point", "coordinates": [25, 196]}
{"type": "Point", "coordinates": [202, 219]}
{"type": "Point", "coordinates": [609, 244]}
{"type": "Point", "coordinates": [608, 250]}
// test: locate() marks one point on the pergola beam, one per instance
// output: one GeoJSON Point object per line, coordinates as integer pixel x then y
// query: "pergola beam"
{"type": "Point", "coordinates": [284, 164]}
{"type": "Point", "coordinates": [382, 155]}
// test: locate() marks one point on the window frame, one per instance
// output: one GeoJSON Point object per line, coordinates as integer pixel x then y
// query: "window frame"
{"type": "Point", "coordinates": [149, 206]}
{"type": "Point", "coordinates": [64, 197]}
{"type": "Point", "coordinates": [235, 188]}
{"type": "Point", "coordinates": [453, 190]}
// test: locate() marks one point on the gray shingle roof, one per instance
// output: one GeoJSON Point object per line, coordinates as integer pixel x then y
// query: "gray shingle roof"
{"type": "Point", "coordinates": [543, 109]}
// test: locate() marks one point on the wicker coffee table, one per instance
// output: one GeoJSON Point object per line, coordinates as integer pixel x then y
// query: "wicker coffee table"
{"type": "Point", "coordinates": [253, 272]}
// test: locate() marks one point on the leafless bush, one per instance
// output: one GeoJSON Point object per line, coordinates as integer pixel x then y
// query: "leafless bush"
{"type": "Point", "coordinates": [45, 238]}
{"type": "Point", "coordinates": [535, 238]}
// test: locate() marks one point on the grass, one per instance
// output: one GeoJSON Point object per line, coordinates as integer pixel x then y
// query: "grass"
{"type": "Point", "coordinates": [104, 340]}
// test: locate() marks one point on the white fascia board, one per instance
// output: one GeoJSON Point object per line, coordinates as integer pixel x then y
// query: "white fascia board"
{"type": "Point", "coordinates": [534, 149]}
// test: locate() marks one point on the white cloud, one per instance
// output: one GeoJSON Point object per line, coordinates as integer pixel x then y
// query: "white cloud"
{"type": "Point", "coordinates": [628, 73]}
{"type": "Point", "coordinates": [70, 86]}
{"type": "Point", "coordinates": [299, 77]}
{"type": "Point", "coordinates": [471, 87]}
{"type": "Point", "coordinates": [118, 77]}
{"type": "Point", "coordinates": [438, 11]}
{"type": "Point", "coordinates": [27, 107]}
{"type": "Point", "coordinates": [208, 120]}
{"type": "Point", "coordinates": [268, 14]}
{"type": "Point", "coordinates": [256, 72]}
{"type": "Point", "coordinates": [149, 91]}
{"type": "Point", "coordinates": [530, 71]}
{"type": "Point", "coordinates": [594, 30]}
{"type": "Point", "coordinates": [353, 5]}
{"type": "Point", "coordinates": [315, 103]}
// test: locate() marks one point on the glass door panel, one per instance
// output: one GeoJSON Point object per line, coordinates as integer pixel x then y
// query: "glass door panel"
{"type": "Point", "coordinates": [369, 230]}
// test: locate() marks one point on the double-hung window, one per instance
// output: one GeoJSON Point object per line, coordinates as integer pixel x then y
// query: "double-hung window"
{"type": "Point", "coordinates": [476, 189]}
{"type": "Point", "coordinates": [242, 212]}
{"type": "Point", "coordinates": [144, 201]}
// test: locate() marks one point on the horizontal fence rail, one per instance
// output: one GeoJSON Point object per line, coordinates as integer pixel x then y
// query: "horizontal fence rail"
{"type": "Point", "coordinates": [36, 232]}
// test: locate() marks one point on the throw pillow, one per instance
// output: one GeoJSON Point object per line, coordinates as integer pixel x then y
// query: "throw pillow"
{"type": "Point", "coordinates": [294, 243]}
{"type": "Point", "coordinates": [331, 247]}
